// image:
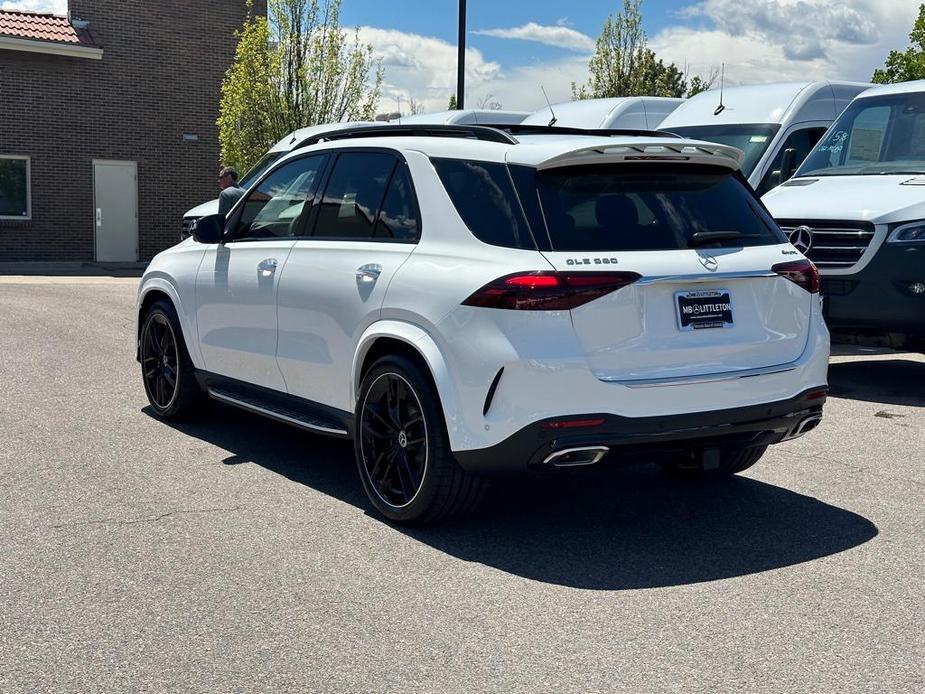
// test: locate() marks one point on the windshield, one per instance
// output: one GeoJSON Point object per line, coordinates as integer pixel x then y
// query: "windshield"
{"type": "Point", "coordinates": [874, 136]}
{"type": "Point", "coordinates": [257, 170]}
{"type": "Point", "coordinates": [754, 140]}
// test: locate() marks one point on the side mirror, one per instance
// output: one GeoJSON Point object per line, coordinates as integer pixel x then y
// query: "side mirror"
{"type": "Point", "coordinates": [209, 229]}
{"type": "Point", "coordinates": [788, 164]}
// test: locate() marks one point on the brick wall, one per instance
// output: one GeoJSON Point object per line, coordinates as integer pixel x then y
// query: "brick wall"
{"type": "Point", "coordinates": [159, 78]}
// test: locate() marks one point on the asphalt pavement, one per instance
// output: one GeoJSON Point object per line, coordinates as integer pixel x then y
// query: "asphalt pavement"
{"type": "Point", "coordinates": [235, 554]}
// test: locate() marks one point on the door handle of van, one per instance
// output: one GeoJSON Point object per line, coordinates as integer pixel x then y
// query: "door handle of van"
{"type": "Point", "coordinates": [268, 265]}
{"type": "Point", "coordinates": [368, 274]}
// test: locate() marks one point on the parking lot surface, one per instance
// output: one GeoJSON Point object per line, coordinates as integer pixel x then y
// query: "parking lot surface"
{"type": "Point", "coordinates": [235, 554]}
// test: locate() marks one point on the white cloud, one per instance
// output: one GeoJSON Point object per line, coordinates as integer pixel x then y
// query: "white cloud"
{"type": "Point", "coordinates": [56, 6]}
{"type": "Point", "coordinates": [778, 40]}
{"type": "Point", "coordinates": [424, 68]}
{"type": "Point", "coordinates": [559, 35]}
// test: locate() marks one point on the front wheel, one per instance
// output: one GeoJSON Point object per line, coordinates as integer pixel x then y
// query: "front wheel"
{"type": "Point", "coordinates": [693, 465]}
{"type": "Point", "coordinates": [166, 367]}
{"type": "Point", "coordinates": [402, 447]}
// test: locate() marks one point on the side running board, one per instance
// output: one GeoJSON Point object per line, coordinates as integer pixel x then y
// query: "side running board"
{"type": "Point", "coordinates": [277, 412]}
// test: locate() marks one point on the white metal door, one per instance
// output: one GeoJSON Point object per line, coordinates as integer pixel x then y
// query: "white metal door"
{"type": "Point", "coordinates": [115, 185]}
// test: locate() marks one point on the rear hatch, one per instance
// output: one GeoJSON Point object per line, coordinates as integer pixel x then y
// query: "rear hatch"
{"type": "Point", "coordinates": [706, 300]}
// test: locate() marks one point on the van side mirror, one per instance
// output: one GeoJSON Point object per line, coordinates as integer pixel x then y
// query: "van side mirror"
{"type": "Point", "coordinates": [209, 229]}
{"type": "Point", "coordinates": [788, 164]}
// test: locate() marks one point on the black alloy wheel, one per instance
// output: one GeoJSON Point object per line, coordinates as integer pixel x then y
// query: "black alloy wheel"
{"type": "Point", "coordinates": [403, 452]}
{"type": "Point", "coordinates": [159, 361]}
{"type": "Point", "coordinates": [393, 440]}
{"type": "Point", "coordinates": [166, 368]}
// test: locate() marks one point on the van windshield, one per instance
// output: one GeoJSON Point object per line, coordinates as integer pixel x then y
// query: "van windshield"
{"type": "Point", "coordinates": [754, 140]}
{"type": "Point", "coordinates": [874, 136]}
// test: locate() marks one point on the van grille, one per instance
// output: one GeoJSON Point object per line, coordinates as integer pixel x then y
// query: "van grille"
{"type": "Point", "coordinates": [836, 245]}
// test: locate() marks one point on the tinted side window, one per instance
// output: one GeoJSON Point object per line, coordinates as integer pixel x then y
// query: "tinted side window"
{"type": "Point", "coordinates": [398, 218]}
{"type": "Point", "coordinates": [658, 207]}
{"type": "Point", "coordinates": [353, 195]}
{"type": "Point", "coordinates": [484, 197]}
{"type": "Point", "coordinates": [803, 142]}
{"type": "Point", "coordinates": [274, 208]}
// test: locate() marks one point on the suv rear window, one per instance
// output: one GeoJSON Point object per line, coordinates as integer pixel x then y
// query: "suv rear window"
{"type": "Point", "coordinates": [648, 207]}
{"type": "Point", "coordinates": [484, 197]}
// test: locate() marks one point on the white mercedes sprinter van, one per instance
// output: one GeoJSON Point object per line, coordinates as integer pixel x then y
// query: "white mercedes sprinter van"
{"type": "Point", "coordinates": [776, 125]}
{"type": "Point", "coordinates": [622, 113]}
{"type": "Point", "coordinates": [856, 208]}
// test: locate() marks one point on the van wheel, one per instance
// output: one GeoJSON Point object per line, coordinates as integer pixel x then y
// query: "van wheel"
{"type": "Point", "coordinates": [166, 367]}
{"type": "Point", "coordinates": [690, 466]}
{"type": "Point", "coordinates": [402, 447]}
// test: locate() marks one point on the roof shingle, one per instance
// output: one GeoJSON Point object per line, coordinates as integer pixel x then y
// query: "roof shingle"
{"type": "Point", "coordinates": [43, 26]}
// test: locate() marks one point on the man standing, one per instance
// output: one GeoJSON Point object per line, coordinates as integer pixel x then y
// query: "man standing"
{"type": "Point", "coordinates": [231, 193]}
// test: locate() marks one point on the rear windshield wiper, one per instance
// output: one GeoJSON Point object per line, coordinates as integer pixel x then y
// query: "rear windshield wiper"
{"type": "Point", "coordinates": [703, 238]}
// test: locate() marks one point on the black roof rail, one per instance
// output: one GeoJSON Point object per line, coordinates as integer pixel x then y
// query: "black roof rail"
{"type": "Point", "coordinates": [472, 132]}
{"type": "Point", "coordinates": [522, 129]}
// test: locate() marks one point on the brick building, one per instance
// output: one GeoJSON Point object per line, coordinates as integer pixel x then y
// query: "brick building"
{"type": "Point", "coordinates": [107, 124]}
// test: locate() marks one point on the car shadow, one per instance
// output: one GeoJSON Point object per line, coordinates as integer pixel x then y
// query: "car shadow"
{"type": "Point", "coordinates": [610, 529]}
{"type": "Point", "coordinates": [889, 381]}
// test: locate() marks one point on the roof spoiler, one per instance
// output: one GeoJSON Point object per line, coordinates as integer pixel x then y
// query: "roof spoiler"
{"type": "Point", "coordinates": [656, 151]}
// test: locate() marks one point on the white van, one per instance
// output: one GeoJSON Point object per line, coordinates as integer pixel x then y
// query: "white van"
{"type": "Point", "coordinates": [776, 125]}
{"type": "Point", "coordinates": [464, 117]}
{"type": "Point", "coordinates": [856, 208]}
{"type": "Point", "coordinates": [627, 113]}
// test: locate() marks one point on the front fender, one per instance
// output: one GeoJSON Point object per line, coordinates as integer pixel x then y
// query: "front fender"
{"type": "Point", "coordinates": [162, 283]}
{"type": "Point", "coordinates": [418, 339]}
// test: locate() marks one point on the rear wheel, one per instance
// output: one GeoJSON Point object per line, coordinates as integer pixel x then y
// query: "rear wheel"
{"type": "Point", "coordinates": [166, 367]}
{"type": "Point", "coordinates": [694, 465]}
{"type": "Point", "coordinates": [402, 447]}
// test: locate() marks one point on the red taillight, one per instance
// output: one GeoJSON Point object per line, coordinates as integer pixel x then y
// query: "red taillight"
{"type": "Point", "coordinates": [801, 272]}
{"type": "Point", "coordinates": [820, 394]}
{"type": "Point", "coordinates": [549, 291]}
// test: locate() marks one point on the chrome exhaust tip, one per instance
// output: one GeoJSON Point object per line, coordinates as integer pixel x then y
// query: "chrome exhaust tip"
{"type": "Point", "coordinates": [804, 426]}
{"type": "Point", "coordinates": [575, 457]}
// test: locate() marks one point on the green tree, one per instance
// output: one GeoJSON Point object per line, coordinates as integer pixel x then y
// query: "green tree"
{"type": "Point", "coordinates": [903, 66]}
{"type": "Point", "coordinates": [624, 65]}
{"type": "Point", "coordinates": [292, 69]}
{"type": "Point", "coordinates": [452, 106]}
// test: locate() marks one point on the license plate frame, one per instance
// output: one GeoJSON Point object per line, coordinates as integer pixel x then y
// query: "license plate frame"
{"type": "Point", "coordinates": [704, 309]}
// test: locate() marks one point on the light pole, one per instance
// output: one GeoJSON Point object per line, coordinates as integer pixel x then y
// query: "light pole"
{"type": "Point", "coordinates": [461, 59]}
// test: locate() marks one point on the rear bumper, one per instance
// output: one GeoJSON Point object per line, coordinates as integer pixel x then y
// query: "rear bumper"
{"type": "Point", "coordinates": [754, 425]}
{"type": "Point", "coordinates": [877, 300]}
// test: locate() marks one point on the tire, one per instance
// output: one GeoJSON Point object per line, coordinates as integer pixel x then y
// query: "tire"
{"type": "Point", "coordinates": [166, 368]}
{"type": "Point", "coordinates": [403, 450]}
{"type": "Point", "coordinates": [731, 462]}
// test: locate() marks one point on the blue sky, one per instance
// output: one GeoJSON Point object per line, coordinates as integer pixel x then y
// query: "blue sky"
{"type": "Point", "coordinates": [516, 46]}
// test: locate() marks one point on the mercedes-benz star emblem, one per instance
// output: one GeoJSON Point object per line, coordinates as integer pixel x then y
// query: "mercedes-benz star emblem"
{"type": "Point", "coordinates": [709, 262]}
{"type": "Point", "coordinates": [802, 239]}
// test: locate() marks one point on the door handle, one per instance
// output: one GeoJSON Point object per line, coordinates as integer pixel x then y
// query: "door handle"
{"type": "Point", "coordinates": [268, 266]}
{"type": "Point", "coordinates": [99, 216]}
{"type": "Point", "coordinates": [368, 274]}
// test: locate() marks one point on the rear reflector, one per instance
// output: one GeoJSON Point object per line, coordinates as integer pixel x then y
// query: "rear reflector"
{"type": "Point", "coordinates": [549, 291]}
{"type": "Point", "coordinates": [820, 394]}
{"type": "Point", "coordinates": [801, 272]}
{"type": "Point", "coordinates": [573, 423]}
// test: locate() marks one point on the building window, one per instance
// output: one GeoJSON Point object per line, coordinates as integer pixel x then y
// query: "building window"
{"type": "Point", "coordinates": [15, 188]}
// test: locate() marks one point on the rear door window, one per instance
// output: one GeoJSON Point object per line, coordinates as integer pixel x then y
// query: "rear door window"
{"type": "Point", "coordinates": [353, 195]}
{"type": "Point", "coordinates": [398, 218]}
{"type": "Point", "coordinates": [649, 207]}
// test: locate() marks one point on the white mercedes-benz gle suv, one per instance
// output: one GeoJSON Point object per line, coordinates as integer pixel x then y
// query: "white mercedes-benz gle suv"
{"type": "Point", "coordinates": [467, 301]}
